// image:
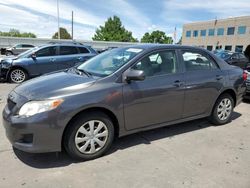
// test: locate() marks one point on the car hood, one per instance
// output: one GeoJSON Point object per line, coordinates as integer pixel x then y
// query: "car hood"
{"type": "Point", "coordinates": [55, 85]}
{"type": "Point", "coordinates": [9, 59]}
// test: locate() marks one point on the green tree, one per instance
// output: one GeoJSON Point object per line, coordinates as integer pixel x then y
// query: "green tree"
{"type": "Point", "coordinates": [156, 37]}
{"type": "Point", "coordinates": [64, 34]}
{"type": "Point", "coordinates": [17, 33]}
{"type": "Point", "coordinates": [113, 30]}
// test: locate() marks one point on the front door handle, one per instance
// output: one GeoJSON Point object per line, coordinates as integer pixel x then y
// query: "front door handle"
{"type": "Point", "coordinates": [178, 83]}
{"type": "Point", "coordinates": [219, 77]}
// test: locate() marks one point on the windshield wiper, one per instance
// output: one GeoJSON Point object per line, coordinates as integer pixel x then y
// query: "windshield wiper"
{"type": "Point", "coordinates": [85, 72]}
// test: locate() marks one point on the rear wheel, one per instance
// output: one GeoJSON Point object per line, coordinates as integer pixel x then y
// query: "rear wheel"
{"type": "Point", "coordinates": [89, 136]}
{"type": "Point", "coordinates": [223, 110]}
{"type": "Point", "coordinates": [17, 76]}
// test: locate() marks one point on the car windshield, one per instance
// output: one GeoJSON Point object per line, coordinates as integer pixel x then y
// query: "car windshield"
{"type": "Point", "coordinates": [108, 62]}
{"type": "Point", "coordinates": [27, 53]}
{"type": "Point", "coordinates": [224, 55]}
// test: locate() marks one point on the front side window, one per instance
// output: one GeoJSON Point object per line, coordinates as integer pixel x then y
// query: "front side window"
{"type": "Point", "coordinates": [197, 61]}
{"type": "Point", "coordinates": [48, 51]}
{"type": "Point", "coordinates": [230, 30]}
{"type": "Point", "coordinates": [211, 32]}
{"type": "Point", "coordinates": [83, 50]}
{"type": "Point", "coordinates": [158, 63]}
{"type": "Point", "coordinates": [220, 31]}
{"type": "Point", "coordinates": [242, 30]}
{"type": "Point", "coordinates": [110, 61]}
{"type": "Point", "coordinates": [68, 50]}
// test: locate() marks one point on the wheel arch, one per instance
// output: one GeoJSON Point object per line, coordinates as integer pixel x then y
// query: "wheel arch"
{"type": "Point", "coordinates": [106, 111]}
{"type": "Point", "coordinates": [16, 67]}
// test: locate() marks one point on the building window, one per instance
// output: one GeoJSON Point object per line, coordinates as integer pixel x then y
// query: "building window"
{"type": "Point", "coordinates": [238, 48]}
{"type": "Point", "coordinates": [242, 30]}
{"type": "Point", "coordinates": [230, 30]}
{"type": "Point", "coordinates": [220, 31]}
{"type": "Point", "coordinates": [229, 48]}
{"type": "Point", "coordinates": [211, 32]}
{"type": "Point", "coordinates": [210, 48]}
{"type": "Point", "coordinates": [203, 33]}
{"type": "Point", "coordinates": [188, 33]}
{"type": "Point", "coordinates": [195, 33]}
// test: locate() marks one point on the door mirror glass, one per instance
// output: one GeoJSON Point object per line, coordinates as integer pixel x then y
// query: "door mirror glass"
{"type": "Point", "coordinates": [136, 75]}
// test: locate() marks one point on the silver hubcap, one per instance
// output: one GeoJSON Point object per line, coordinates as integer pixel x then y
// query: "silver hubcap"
{"type": "Point", "coordinates": [91, 137]}
{"type": "Point", "coordinates": [224, 109]}
{"type": "Point", "coordinates": [17, 76]}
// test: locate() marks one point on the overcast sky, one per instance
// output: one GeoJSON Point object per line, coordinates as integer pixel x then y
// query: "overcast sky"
{"type": "Point", "coordinates": [138, 16]}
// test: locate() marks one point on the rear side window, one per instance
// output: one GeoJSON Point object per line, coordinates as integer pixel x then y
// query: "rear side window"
{"type": "Point", "coordinates": [49, 51]}
{"type": "Point", "coordinates": [27, 46]}
{"type": "Point", "coordinates": [83, 50]}
{"type": "Point", "coordinates": [68, 50]}
{"type": "Point", "coordinates": [197, 61]}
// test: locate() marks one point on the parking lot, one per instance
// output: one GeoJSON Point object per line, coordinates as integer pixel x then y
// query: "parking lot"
{"type": "Point", "coordinates": [193, 154]}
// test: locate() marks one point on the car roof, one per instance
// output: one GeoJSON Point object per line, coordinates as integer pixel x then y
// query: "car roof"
{"type": "Point", "coordinates": [159, 46]}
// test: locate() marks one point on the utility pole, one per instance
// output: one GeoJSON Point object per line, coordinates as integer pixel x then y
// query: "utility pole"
{"type": "Point", "coordinates": [72, 26]}
{"type": "Point", "coordinates": [58, 21]}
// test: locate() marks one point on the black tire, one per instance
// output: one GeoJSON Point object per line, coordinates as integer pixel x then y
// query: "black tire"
{"type": "Point", "coordinates": [17, 81]}
{"type": "Point", "coordinates": [8, 53]}
{"type": "Point", "coordinates": [72, 129]}
{"type": "Point", "coordinates": [214, 118]}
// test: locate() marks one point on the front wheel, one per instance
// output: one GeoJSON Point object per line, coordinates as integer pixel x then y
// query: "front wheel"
{"type": "Point", "coordinates": [89, 136]}
{"type": "Point", "coordinates": [17, 76]}
{"type": "Point", "coordinates": [8, 53]}
{"type": "Point", "coordinates": [223, 110]}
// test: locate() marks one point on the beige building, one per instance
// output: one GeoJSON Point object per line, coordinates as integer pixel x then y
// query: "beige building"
{"type": "Point", "coordinates": [229, 34]}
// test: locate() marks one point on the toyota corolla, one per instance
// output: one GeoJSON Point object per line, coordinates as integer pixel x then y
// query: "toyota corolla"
{"type": "Point", "coordinates": [120, 92]}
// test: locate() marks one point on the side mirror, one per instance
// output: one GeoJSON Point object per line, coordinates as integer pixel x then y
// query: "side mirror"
{"type": "Point", "coordinates": [33, 56]}
{"type": "Point", "coordinates": [136, 75]}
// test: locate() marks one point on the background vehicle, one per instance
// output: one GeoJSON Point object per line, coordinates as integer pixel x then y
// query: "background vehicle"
{"type": "Point", "coordinates": [17, 49]}
{"type": "Point", "coordinates": [235, 58]}
{"type": "Point", "coordinates": [120, 92]}
{"type": "Point", "coordinates": [44, 59]}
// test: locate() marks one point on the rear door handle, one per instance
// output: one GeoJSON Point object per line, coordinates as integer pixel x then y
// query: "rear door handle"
{"type": "Point", "coordinates": [219, 77]}
{"type": "Point", "coordinates": [52, 59]}
{"type": "Point", "coordinates": [178, 83]}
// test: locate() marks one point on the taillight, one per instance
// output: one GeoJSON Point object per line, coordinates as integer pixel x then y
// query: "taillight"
{"type": "Point", "coordinates": [244, 76]}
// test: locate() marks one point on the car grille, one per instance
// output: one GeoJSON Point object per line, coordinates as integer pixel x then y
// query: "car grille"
{"type": "Point", "coordinates": [10, 104]}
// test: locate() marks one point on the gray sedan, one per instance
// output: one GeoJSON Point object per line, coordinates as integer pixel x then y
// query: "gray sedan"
{"type": "Point", "coordinates": [120, 92]}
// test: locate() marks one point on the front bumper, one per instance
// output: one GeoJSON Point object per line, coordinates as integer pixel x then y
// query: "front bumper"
{"type": "Point", "coordinates": [37, 134]}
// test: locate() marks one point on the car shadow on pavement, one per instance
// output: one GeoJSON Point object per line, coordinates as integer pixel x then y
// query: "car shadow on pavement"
{"type": "Point", "coordinates": [61, 159]}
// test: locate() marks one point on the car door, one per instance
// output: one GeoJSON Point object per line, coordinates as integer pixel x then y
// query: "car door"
{"type": "Point", "coordinates": [45, 60]}
{"type": "Point", "coordinates": [204, 79]}
{"type": "Point", "coordinates": [158, 98]}
{"type": "Point", "coordinates": [84, 55]}
{"type": "Point", "coordinates": [68, 57]}
{"type": "Point", "coordinates": [18, 49]}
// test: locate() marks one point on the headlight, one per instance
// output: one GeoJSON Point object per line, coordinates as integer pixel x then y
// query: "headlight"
{"type": "Point", "coordinates": [5, 65]}
{"type": "Point", "coordinates": [34, 107]}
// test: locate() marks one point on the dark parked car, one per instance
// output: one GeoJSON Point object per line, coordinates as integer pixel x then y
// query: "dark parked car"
{"type": "Point", "coordinates": [247, 95]}
{"type": "Point", "coordinates": [119, 92]}
{"type": "Point", "coordinates": [235, 58]}
{"type": "Point", "coordinates": [17, 49]}
{"type": "Point", "coordinates": [44, 59]}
